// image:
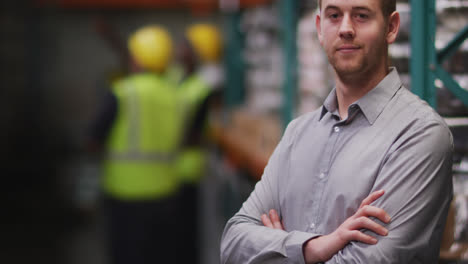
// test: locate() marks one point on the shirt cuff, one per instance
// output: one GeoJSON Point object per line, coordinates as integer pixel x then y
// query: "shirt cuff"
{"type": "Point", "coordinates": [294, 246]}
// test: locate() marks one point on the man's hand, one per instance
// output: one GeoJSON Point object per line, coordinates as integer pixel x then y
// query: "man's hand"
{"type": "Point", "coordinates": [272, 220]}
{"type": "Point", "coordinates": [321, 249]}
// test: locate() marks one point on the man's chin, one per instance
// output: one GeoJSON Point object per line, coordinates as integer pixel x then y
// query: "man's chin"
{"type": "Point", "coordinates": [347, 70]}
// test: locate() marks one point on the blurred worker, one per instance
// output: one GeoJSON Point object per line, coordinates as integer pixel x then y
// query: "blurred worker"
{"type": "Point", "coordinates": [201, 80]}
{"type": "Point", "coordinates": [141, 126]}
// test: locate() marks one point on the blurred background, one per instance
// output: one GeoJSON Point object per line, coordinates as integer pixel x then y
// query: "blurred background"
{"type": "Point", "coordinates": [59, 59]}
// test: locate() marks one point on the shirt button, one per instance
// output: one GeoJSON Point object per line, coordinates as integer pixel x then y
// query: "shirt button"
{"type": "Point", "coordinates": [322, 175]}
{"type": "Point", "coordinates": [337, 129]}
{"type": "Point", "coordinates": [312, 225]}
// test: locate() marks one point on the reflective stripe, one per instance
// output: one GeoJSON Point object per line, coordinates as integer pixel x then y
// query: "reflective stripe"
{"type": "Point", "coordinates": [134, 110]}
{"type": "Point", "coordinates": [159, 157]}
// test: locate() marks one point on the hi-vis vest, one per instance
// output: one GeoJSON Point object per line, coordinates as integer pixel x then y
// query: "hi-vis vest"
{"type": "Point", "coordinates": [192, 160]}
{"type": "Point", "coordinates": [144, 139]}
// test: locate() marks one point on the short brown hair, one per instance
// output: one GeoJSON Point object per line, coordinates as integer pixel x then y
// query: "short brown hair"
{"type": "Point", "coordinates": [388, 6]}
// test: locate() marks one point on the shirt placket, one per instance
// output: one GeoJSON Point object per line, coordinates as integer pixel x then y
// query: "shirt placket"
{"type": "Point", "coordinates": [322, 174]}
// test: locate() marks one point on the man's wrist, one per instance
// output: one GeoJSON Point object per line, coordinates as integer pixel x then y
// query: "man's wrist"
{"type": "Point", "coordinates": [322, 248]}
{"type": "Point", "coordinates": [311, 251]}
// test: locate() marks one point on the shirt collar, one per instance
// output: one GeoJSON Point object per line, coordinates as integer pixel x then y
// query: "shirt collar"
{"type": "Point", "coordinates": [371, 104]}
{"type": "Point", "coordinates": [330, 104]}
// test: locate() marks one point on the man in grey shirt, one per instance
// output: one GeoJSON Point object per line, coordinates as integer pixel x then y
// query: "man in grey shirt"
{"type": "Point", "coordinates": [364, 179]}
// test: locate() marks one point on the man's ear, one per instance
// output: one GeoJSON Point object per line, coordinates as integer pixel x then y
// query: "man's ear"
{"type": "Point", "coordinates": [393, 27]}
{"type": "Point", "coordinates": [319, 29]}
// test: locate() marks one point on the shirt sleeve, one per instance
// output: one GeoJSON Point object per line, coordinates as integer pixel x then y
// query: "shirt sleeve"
{"type": "Point", "coordinates": [245, 239]}
{"type": "Point", "coordinates": [416, 177]}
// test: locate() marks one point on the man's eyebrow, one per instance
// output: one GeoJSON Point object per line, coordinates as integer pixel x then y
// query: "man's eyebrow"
{"type": "Point", "coordinates": [362, 8]}
{"type": "Point", "coordinates": [356, 8]}
{"type": "Point", "coordinates": [331, 7]}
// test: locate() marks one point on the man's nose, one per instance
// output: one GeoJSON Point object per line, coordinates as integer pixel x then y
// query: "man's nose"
{"type": "Point", "coordinates": [347, 27]}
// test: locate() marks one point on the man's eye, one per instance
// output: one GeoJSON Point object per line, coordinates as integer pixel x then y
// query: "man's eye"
{"type": "Point", "coordinates": [333, 16]}
{"type": "Point", "coordinates": [363, 16]}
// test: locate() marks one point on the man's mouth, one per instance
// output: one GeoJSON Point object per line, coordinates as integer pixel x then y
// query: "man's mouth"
{"type": "Point", "coordinates": [347, 48]}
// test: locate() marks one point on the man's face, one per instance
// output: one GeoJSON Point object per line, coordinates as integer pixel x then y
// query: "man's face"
{"type": "Point", "coordinates": [354, 34]}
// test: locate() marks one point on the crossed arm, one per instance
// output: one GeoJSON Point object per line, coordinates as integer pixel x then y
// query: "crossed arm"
{"type": "Point", "coordinates": [322, 248]}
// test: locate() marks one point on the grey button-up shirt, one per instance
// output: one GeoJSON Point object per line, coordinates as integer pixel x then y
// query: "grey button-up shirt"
{"type": "Point", "coordinates": [324, 167]}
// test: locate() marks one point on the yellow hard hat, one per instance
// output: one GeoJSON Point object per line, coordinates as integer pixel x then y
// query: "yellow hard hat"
{"type": "Point", "coordinates": [206, 41]}
{"type": "Point", "coordinates": [151, 47]}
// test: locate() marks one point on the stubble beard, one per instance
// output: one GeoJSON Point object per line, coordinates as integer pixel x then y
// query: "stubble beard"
{"type": "Point", "coordinates": [362, 64]}
{"type": "Point", "coordinates": [348, 66]}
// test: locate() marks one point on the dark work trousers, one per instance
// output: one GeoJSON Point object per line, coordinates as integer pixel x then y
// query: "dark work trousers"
{"type": "Point", "coordinates": [143, 232]}
{"type": "Point", "coordinates": [190, 232]}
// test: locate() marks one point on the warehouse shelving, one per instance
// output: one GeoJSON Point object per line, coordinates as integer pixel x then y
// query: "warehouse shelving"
{"type": "Point", "coordinates": [426, 60]}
